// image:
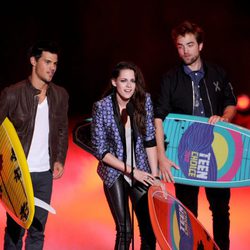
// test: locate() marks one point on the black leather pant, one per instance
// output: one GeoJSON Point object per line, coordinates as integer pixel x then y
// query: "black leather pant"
{"type": "Point", "coordinates": [218, 199]}
{"type": "Point", "coordinates": [117, 197]}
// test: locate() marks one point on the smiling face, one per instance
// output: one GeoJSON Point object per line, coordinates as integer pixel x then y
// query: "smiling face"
{"type": "Point", "coordinates": [125, 85]}
{"type": "Point", "coordinates": [189, 49]}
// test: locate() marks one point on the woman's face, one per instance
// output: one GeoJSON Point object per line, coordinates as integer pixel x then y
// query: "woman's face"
{"type": "Point", "coordinates": [125, 84]}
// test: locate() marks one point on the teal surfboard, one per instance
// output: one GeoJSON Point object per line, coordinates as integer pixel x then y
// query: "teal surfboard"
{"type": "Point", "coordinates": [208, 155]}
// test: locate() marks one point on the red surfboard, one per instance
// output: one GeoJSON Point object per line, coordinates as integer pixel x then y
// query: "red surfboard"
{"type": "Point", "coordinates": [175, 227]}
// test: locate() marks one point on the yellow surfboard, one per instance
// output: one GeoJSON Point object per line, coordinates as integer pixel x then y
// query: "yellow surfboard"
{"type": "Point", "coordinates": [16, 190]}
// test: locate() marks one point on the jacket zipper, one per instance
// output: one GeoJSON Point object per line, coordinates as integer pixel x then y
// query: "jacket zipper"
{"type": "Point", "coordinates": [209, 100]}
{"type": "Point", "coordinates": [193, 97]}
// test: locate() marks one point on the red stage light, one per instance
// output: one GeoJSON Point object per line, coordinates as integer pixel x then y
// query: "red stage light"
{"type": "Point", "coordinates": [243, 102]}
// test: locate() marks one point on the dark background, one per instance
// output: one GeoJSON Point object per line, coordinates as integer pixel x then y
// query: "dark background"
{"type": "Point", "coordinates": [95, 35]}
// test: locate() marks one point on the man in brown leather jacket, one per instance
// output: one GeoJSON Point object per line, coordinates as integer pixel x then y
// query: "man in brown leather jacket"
{"type": "Point", "coordinates": [38, 110]}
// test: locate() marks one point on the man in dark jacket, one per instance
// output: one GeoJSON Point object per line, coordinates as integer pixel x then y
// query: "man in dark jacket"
{"type": "Point", "coordinates": [38, 110]}
{"type": "Point", "coordinates": [195, 88]}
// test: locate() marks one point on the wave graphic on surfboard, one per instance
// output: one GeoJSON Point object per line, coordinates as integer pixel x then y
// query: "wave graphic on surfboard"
{"type": "Point", "coordinates": [208, 155]}
{"type": "Point", "coordinates": [180, 229]}
{"type": "Point", "coordinates": [196, 155]}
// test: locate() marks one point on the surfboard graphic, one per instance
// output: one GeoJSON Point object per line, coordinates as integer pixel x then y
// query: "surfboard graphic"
{"type": "Point", "coordinates": [175, 227]}
{"type": "Point", "coordinates": [16, 190]}
{"type": "Point", "coordinates": [208, 155]}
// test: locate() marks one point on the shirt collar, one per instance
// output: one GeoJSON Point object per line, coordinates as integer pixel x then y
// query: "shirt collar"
{"type": "Point", "coordinates": [188, 71]}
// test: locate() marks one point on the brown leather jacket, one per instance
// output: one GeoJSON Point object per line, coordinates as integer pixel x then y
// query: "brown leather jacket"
{"type": "Point", "coordinates": [19, 103]}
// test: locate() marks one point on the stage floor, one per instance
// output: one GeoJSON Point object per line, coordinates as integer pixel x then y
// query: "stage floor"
{"type": "Point", "coordinates": [83, 219]}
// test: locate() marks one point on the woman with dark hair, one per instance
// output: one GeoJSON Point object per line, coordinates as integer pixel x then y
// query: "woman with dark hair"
{"type": "Point", "coordinates": [127, 169]}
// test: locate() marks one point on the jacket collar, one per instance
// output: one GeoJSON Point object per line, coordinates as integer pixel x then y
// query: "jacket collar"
{"type": "Point", "coordinates": [35, 90]}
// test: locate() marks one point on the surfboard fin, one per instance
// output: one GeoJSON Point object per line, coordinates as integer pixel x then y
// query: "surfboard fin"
{"type": "Point", "coordinates": [44, 205]}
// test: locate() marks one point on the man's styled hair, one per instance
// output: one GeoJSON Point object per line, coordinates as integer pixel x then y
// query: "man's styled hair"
{"type": "Point", "coordinates": [188, 27]}
{"type": "Point", "coordinates": [37, 48]}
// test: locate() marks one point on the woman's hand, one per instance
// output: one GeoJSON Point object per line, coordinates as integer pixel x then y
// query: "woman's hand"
{"type": "Point", "coordinates": [143, 177]}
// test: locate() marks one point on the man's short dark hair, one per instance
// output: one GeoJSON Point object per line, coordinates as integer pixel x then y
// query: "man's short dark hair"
{"type": "Point", "coordinates": [43, 45]}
